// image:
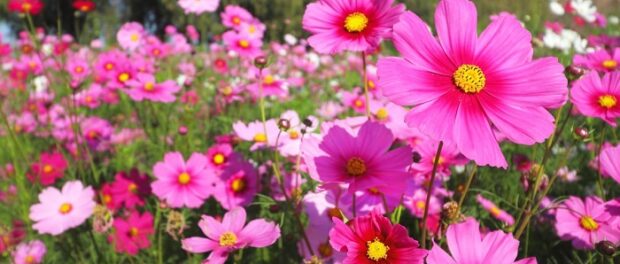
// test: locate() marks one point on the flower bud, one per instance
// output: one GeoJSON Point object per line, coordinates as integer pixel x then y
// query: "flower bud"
{"type": "Point", "coordinates": [182, 130]}
{"type": "Point", "coordinates": [261, 62]}
{"type": "Point", "coordinates": [581, 133]}
{"type": "Point", "coordinates": [284, 124]}
{"type": "Point", "coordinates": [606, 248]}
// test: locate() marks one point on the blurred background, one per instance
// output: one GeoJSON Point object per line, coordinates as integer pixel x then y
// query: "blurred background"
{"type": "Point", "coordinates": [281, 16]}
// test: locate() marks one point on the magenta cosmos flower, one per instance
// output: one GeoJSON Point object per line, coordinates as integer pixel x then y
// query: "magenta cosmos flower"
{"type": "Point", "coordinates": [245, 46]}
{"type": "Point", "coordinates": [339, 25]}
{"type": "Point", "coordinates": [132, 234]}
{"type": "Point", "coordinates": [236, 185]}
{"type": "Point", "coordinates": [231, 234]}
{"type": "Point", "coordinates": [60, 210]}
{"type": "Point", "coordinates": [374, 239]}
{"type": "Point", "coordinates": [199, 6]}
{"type": "Point", "coordinates": [585, 222]}
{"type": "Point", "coordinates": [51, 166]}
{"type": "Point", "coordinates": [182, 183]}
{"type": "Point", "coordinates": [362, 160]}
{"type": "Point", "coordinates": [610, 162]}
{"type": "Point", "coordinates": [596, 97]}
{"type": "Point", "coordinates": [234, 16]}
{"type": "Point", "coordinates": [600, 60]}
{"type": "Point", "coordinates": [472, 83]}
{"type": "Point", "coordinates": [29, 253]}
{"type": "Point", "coordinates": [145, 87]}
{"type": "Point", "coordinates": [468, 245]}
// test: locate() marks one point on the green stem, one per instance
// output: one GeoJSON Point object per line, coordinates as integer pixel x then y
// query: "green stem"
{"type": "Point", "coordinates": [429, 192]}
{"type": "Point", "coordinates": [470, 179]}
{"type": "Point", "coordinates": [365, 79]}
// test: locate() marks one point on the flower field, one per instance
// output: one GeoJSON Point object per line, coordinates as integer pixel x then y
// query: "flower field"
{"type": "Point", "coordinates": [377, 131]}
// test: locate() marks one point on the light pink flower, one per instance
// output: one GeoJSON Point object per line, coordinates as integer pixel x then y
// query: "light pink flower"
{"type": "Point", "coordinates": [199, 6]}
{"type": "Point", "coordinates": [144, 87]}
{"type": "Point", "coordinates": [182, 183]}
{"type": "Point", "coordinates": [610, 161]}
{"type": "Point", "coordinates": [245, 46]}
{"type": "Point", "coordinates": [600, 60]}
{"type": "Point", "coordinates": [468, 245]}
{"type": "Point", "coordinates": [585, 222]}
{"type": "Point", "coordinates": [231, 234]}
{"type": "Point", "coordinates": [234, 16]}
{"type": "Point", "coordinates": [131, 35]}
{"type": "Point", "coordinates": [499, 214]}
{"type": "Point", "coordinates": [29, 253]}
{"type": "Point", "coordinates": [60, 210]}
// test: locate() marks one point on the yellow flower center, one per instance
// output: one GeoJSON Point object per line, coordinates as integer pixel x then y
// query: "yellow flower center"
{"type": "Point", "coordinates": [92, 134]}
{"type": "Point", "coordinates": [228, 239]}
{"type": "Point", "coordinates": [65, 208]}
{"type": "Point", "coordinates": [355, 22]}
{"type": "Point", "coordinates": [268, 79]}
{"type": "Point", "coordinates": [260, 138]}
{"type": "Point", "coordinates": [358, 103]}
{"type": "Point", "coordinates": [79, 69]}
{"type": "Point", "coordinates": [48, 168]}
{"type": "Point", "coordinates": [588, 223]}
{"type": "Point", "coordinates": [469, 78]}
{"type": "Point", "coordinates": [610, 64]}
{"type": "Point", "coordinates": [134, 37]}
{"type": "Point", "coordinates": [133, 188]}
{"type": "Point", "coordinates": [355, 167]}
{"type": "Point", "coordinates": [29, 259]}
{"type": "Point", "coordinates": [26, 7]}
{"type": "Point", "coordinates": [607, 101]}
{"type": "Point", "coordinates": [376, 250]}
{"type": "Point", "coordinates": [252, 29]}
{"type": "Point", "coordinates": [382, 114]}
{"type": "Point", "coordinates": [236, 20]}
{"type": "Point", "coordinates": [88, 99]}
{"type": "Point", "coordinates": [149, 86]}
{"type": "Point", "coordinates": [123, 77]}
{"type": "Point", "coordinates": [371, 85]}
{"type": "Point", "coordinates": [325, 250]}
{"type": "Point", "coordinates": [156, 52]}
{"type": "Point", "coordinates": [219, 158]}
{"type": "Point", "coordinates": [237, 185]}
{"type": "Point", "coordinates": [495, 211]}
{"type": "Point", "coordinates": [420, 204]}
{"type": "Point", "coordinates": [293, 134]}
{"type": "Point", "coordinates": [107, 198]}
{"type": "Point", "coordinates": [133, 232]}
{"type": "Point", "coordinates": [184, 178]}
{"type": "Point", "coordinates": [244, 43]}
{"type": "Point", "coordinates": [227, 91]}
{"type": "Point", "coordinates": [109, 66]}
{"type": "Point", "coordinates": [374, 190]}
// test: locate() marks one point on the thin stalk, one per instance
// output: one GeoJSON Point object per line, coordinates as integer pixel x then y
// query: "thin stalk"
{"type": "Point", "coordinates": [599, 178]}
{"type": "Point", "coordinates": [429, 192]}
{"type": "Point", "coordinates": [470, 179]}
{"type": "Point", "coordinates": [365, 79]}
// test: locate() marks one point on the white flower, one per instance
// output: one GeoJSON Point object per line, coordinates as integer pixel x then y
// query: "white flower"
{"type": "Point", "coordinates": [556, 8]}
{"type": "Point", "coordinates": [585, 9]}
{"type": "Point", "coordinates": [290, 39]}
{"type": "Point", "coordinates": [613, 20]}
{"type": "Point", "coordinates": [565, 41]}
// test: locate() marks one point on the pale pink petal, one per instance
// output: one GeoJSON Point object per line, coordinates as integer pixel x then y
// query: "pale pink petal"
{"type": "Point", "coordinates": [260, 233]}
{"type": "Point", "coordinates": [198, 244]}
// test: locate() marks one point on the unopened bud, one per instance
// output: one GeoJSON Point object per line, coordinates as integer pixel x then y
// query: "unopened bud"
{"type": "Point", "coordinates": [581, 133]}
{"type": "Point", "coordinates": [307, 122]}
{"type": "Point", "coordinates": [260, 62]}
{"type": "Point", "coordinates": [284, 124]}
{"type": "Point", "coordinates": [606, 248]}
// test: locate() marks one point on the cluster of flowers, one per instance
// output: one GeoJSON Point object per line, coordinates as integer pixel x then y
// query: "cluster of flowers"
{"type": "Point", "coordinates": [446, 101]}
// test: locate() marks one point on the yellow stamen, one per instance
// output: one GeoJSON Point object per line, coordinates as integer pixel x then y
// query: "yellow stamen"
{"type": "Point", "coordinates": [26, 7]}
{"type": "Point", "coordinates": [355, 22]}
{"type": "Point", "coordinates": [133, 188]}
{"type": "Point", "coordinates": [65, 208]}
{"type": "Point", "coordinates": [244, 43]}
{"type": "Point", "coordinates": [268, 79]}
{"type": "Point", "coordinates": [293, 134]}
{"type": "Point", "coordinates": [79, 69]}
{"type": "Point", "coordinates": [134, 37]}
{"type": "Point", "coordinates": [610, 64]}
{"type": "Point", "coordinates": [260, 138]}
{"type": "Point", "coordinates": [219, 158]}
{"type": "Point", "coordinates": [607, 101]}
{"type": "Point", "coordinates": [133, 232]}
{"type": "Point", "coordinates": [382, 114]}
{"type": "Point", "coordinates": [184, 178]}
{"type": "Point", "coordinates": [420, 204]}
{"type": "Point", "coordinates": [358, 103]}
{"type": "Point", "coordinates": [376, 250]}
{"type": "Point", "coordinates": [495, 211]}
{"type": "Point", "coordinates": [236, 20]}
{"type": "Point", "coordinates": [123, 77]}
{"type": "Point", "coordinates": [228, 239]}
{"type": "Point", "coordinates": [149, 86]}
{"type": "Point", "coordinates": [109, 66]}
{"type": "Point", "coordinates": [48, 168]}
{"type": "Point", "coordinates": [356, 167]}
{"type": "Point", "coordinates": [237, 185]}
{"type": "Point", "coordinates": [469, 78]}
{"type": "Point", "coordinates": [588, 223]}
{"type": "Point", "coordinates": [226, 91]}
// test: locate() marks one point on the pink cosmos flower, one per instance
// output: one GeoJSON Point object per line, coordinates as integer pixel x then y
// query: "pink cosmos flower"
{"type": "Point", "coordinates": [130, 189]}
{"type": "Point", "coordinates": [468, 245]}
{"type": "Point", "coordinates": [199, 6]}
{"type": "Point", "coordinates": [596, 97]}
{"type": "Point", "coordinates": [416, 203]}
{"type": "Point", "coordinates": [243, 45]}
{"type": "Point", "coordinates": [272, 85]}
{"type": "Point", "coordinates": [97, 132]}
{"type": "Point", "coordinates": [132, 234]}
{"type": "Point", "coordinates": [360, 159]}
{"type": "Point", "coordinates": [231, 234]}
{"type": "Point", "coordinates": [144, 87]}
{"type": "Point", "coordinates": [78, 68]}
{"type": "Point", "coordinates": [585, 222]}
{"type": "Point", "coordinates": [60, 210]}
{"type": "Point", "coordinates": [90, 97]}
{"type": "Point", "coordinates": [470, 82]}
{"type": "Point", "coordinates": [219, 156]}
{"type": "Point", "coordinates": [338, 25]}
{"type": "Point", "coordinates": [255, 132]}
{"type": "Point", "coordinates": [499, 214]}
{"type": "Point", "coordinates": [234, 16]}
{"type": "Point", "coordinates": [610, 161]}
{"type": "Point", "coordinates": [449, 156]}
{"type": "Point", "coordinates": [237, 185]}
{"type": "Point", "coordinates": [325, 205]}
{"type": "Point", "coordinates": [29, 253]}
{"type": "Point", "coordinates": [51, 166]}
{"type": "Point", "coordinates": [131, 35]}
{"type": "Point", "coordinates": [374, 239]}
{"type": "Point", "coordinates": [182, 183]}
{"type": "Point", "coordinates": [599, 60]}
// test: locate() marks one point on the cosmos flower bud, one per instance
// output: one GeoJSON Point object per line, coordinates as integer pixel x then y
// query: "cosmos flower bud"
{"type": "Point", "coordinates": [307, 122]}
{"type": "Point", "coordinates": [261, 62]}
{"type": "Point", "coordinates": [606, 248]}
{"type": "Point", "coordinates": [175, 224]}
{"type": "Point", "coordinates": [284, 124]}
{"type": "Point", "coordinates": [581, 133]}
{"type": "Point", "coordinates": [182, 130]}
{"type": "Point", "coordinates": [450, 212]}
